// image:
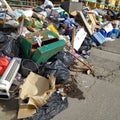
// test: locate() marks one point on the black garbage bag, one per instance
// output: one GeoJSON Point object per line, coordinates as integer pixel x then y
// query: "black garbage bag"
{"type": "Point", "coordinates": [2, 39]}
{"type": "Point", "coordinates": [65, 57]}
{"type": "Point", "coordinates": [86, 45]}
{"type": "Point", "coordinates": [58, 68]}
{"type": "Point", "coordinates": [65, 6]}
{"type": "Point", "coordinates": [54, 105]}
{"type": "Point", "coordinates": [10, 45]}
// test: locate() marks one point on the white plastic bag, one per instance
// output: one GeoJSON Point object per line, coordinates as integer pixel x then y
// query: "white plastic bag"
{"type": "Point", "coordinates": [48, 3]}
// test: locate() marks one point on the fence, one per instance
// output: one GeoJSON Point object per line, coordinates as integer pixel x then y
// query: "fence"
{"type": "Point", "coordinates": [31, 3]}
{"type": "Point", "coordinates": [24, 3]}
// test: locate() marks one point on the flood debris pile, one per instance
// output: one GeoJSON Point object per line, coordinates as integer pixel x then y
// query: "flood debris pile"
{"type": "Point", "coordinates": [42, 48]}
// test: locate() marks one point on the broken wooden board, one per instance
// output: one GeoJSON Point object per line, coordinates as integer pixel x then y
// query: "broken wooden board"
{"type": "Point", "coordinates": [80, 14]}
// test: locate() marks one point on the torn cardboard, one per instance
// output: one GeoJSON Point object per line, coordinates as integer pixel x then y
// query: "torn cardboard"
{"type": "Point", "coordinates": [34, 93]}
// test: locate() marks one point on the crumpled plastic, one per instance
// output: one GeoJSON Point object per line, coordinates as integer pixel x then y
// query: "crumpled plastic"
{"type": "Point", "coordinates": [55, 104]}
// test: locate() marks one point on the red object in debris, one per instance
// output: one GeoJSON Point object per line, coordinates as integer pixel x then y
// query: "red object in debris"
{"type": "Point", "coordinates": [4, 62]}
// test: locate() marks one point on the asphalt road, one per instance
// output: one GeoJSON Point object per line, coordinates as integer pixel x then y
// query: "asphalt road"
{"type": "Point", "coordinates": [102, 92]}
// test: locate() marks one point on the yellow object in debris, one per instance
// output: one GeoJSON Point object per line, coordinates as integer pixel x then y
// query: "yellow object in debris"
{"type": "Point", "coordinates": [100, 19]}
{"type": "Point", "coordinates": [112, 2]}
{"type": "Point", "coordinates": [53, 29]}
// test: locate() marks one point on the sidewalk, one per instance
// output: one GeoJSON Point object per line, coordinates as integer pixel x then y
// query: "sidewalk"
{"type": "Point", "coordinates": [101, 103]}
{"type": "Point", "coordinates": [102, 92]}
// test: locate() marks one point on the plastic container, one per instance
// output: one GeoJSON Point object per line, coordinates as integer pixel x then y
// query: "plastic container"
{"type": "Point", "coordinates": [3, 65]}
{"type": "Point", "coordinates": [98, 38]}
{"type": "Point", "coordinates": [45, 52]}
{"type": "Point", "coordinates": [116, 32]}
{"type": "Point", "coordinates": [53, 29]}
{"type": "Point", "coordinates": [27, 66]}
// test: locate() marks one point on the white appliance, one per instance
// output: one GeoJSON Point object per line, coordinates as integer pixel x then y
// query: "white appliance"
{"type": "Point", "coordinates": [8, 77]}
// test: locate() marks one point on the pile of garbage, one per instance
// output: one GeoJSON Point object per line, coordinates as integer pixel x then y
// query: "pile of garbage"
{"type": "Point", "coordinates": [41, 47]}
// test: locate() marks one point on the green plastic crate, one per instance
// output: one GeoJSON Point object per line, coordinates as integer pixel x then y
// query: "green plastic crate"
{"type": "Point", "coordinates": [27, 44]}
{"type": "Point", "coordinates": [26, 47]}
{"type": "Point", "coordinates": [45, 52]}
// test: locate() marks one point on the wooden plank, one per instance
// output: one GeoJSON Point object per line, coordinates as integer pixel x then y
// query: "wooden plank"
{"type": "Point", "coordinates": [7, 5]}
{"type": "Point", "coordinates": [85, 23]}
